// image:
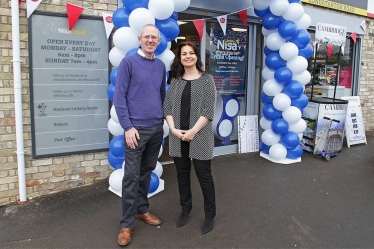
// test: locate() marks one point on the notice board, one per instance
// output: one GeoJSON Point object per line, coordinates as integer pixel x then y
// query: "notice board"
{"type": "Point", "coordinates": [69, 76]}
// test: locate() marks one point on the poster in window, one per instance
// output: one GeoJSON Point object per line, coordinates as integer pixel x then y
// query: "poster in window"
{"type": "Point", "coordinates": [228, 60]}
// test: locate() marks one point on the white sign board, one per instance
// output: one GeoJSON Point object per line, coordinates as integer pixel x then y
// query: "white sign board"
{"type": "Point", "coordinates": [330, 34]}
{"type": "Point", "coordinates": [248, 133]}
{"type": "Point", "coordinates": [355, 130]}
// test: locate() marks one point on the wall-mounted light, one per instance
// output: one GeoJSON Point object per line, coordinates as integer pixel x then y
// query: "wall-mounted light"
{"type": "Point", "coordinates": [181, 38]}
{"type": "Point", "coordinates": [239, 29]}
{"type": "Point", "coordinates": [181, 22]}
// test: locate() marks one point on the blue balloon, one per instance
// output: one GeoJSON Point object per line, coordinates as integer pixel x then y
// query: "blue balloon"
{"type": "Point", "coordinates": [134, 4]}
{"type": "Point", "coordinates": [301, 39]}
{"type": "Point", "coordinates": [306, 52]}
{"type": "Point", "coordinates": [113, 76]}
{"type": "Point", "coordinates": [295, 153]}
{"type": "Point", "coordinates": [271, 21]}
{"type": "Point", "coordinates": [290, 140]}
{"type": "Point", "coordinates": [279, 126]}
{"type": "Point", "coordinates": [167, 86]}
{"type": "Point", "coordinates": [266, 99]}
{"type": "Point", "coordinates": [131, 51]}
{"type": "Point", "coordinates": [162, 46]}
{"type": "Point", "coordinates": [293, 89]}
{"type": "Point", "coordinates": [115, 162]}
{"type": "Point", "coordinates": [261, 13]}
{"type": "Point", "coordinates": [120, 18]}
{"type": "Point", "coordinates": [294, 1]}
{"type": "Point", "coordinates": [110, 91]}
{"type": "Point", "coordinates": [300, 102]}
{"type": "Point", "coordinates": [163, 142]}
{"type": "Point", "coordinates": [274, 61]}
{"type": "Point", "coordinates": [287, 29]}
{"type": "Point", "coordinates": [169, 27]}
{"type": "Point", "coordinates": [264, 148]}
{"type": "Point", "coordinates": [268, 51]}
{"type": "Point", "coordinates": [117, 146]}
{"type": "Point", "coordinates": [155, 181]}
{"type": "Point", "coordinates": [270, 112]}
{"type": "Point", "coordinates": [283, 75]}
{"type": "Point", "coordinates": [174, 16]}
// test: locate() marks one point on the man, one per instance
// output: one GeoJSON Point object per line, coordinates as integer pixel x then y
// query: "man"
{"type": "Point", "coordinates": [138, 99]}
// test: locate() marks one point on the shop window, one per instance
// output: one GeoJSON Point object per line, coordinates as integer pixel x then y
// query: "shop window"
{"type": "Point", "coordinates": [328, 71]}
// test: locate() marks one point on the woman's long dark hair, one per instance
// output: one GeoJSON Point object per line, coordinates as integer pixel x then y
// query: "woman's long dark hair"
{"type": "Point", "coordinates": [176, 68]}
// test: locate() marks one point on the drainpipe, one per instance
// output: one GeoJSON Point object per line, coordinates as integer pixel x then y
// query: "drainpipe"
{"type": "Point", "coordinates": [18, 102]}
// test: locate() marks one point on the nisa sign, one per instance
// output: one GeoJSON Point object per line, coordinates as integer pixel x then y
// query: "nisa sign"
{"type": "Point", "coordinates": [71, 32]}
{"type": "Point", "coordinates": [227, 45]}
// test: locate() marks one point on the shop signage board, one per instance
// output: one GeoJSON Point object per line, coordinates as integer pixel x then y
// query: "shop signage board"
{"type": "Point", "coordinates": [69, 75]}
{"type": "Point", "coordinates": [248, 134]}
{"type": "Point", "coordinates": [330, 34]}
{"type": "Point", "coordinates": [358, 7]}
{"type": "Point", "coordinates": [227, 61]}
{"type": "Point", "coordinates": [355, 130]}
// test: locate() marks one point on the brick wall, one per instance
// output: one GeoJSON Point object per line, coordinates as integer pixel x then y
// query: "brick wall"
{"type": "Point", "coordinates": [47, 175]}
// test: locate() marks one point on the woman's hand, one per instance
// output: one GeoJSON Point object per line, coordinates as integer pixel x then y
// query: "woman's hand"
{"type": "Point", "coordinates": [178, 133]}
{"type": "Point", "coordinates": [189, 135]}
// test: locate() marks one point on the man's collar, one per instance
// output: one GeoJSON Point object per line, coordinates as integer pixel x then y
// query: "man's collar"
{"type": "Point", "coordinates": [141, 53]}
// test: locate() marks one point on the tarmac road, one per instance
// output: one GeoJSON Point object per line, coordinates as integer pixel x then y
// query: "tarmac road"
{"type": "Point", "coordinates": [260, 204]}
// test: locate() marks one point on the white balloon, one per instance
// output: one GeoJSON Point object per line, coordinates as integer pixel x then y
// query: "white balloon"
{"type": "Point", "coordinates": [181, 5]}
{"type": "Point", "coordinates": [300, 135]}
{"type": "Point", "coordinates": [140, 17]}
{"type": "Point", "coordinates": [267, 32]}
{"type": "Point", "coordinates": [115, 180]}
{"type": "Point", "coordinates": [160, 151]}
{"type": "Point", "coordinates": [277, 152]}
{"type": "Point", "coordinates": [281, 102]}
{"type": "Point", "coordinates": [297, 127]}
{"type": "Point", "coordinates": [274, 41]}
{"type": "Point", "coordinates": [304, 77]}
{"type": "Point", "coordinates": [167, 57]}
{"type": "Point", "coordinates": [159, 169]}
{"type": "Point", "coordinates": [115, 128]}
{"type": "Point", "coordinates": [125, 39]}
{"type": "Point", "coordinates": [261, 4]}
{"type": "Point", "coordinates": [123, 166]}
{"type": "Point", "coordinates": [267, 73]}
{"type": "Point", "coordinates": [166, 129]}
{"type": "Point", "coordinates": [116, 56]}
{"type": "Point", "coordinates": [113, 114]}
{"type": "Point", "coordinates": [265, 123]}
{"type": "Point", "coordinates": [161, 9]}
{"type": "Point", "coordinates": [269, 138]}
{"type": "Point", "coordinates": [297, 64]}
{"type": "Point", "coordinates": [304, 22]}
{"type": "Point", "coordinates": [168, 45]}
{"type": "Point", "coordinates": [292, 114]}
{"type": "Point", "coordinates": [279, 7]}
{"type": "Point", "coordinates": [294, 12]}
{"type": "Point", "coordinates": [272, 87]}
{"type": "Point", "coordinates": [288, 51]}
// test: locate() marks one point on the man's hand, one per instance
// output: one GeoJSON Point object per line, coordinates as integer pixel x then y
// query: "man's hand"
{"type": "Point", "coordinates": [132, 137]}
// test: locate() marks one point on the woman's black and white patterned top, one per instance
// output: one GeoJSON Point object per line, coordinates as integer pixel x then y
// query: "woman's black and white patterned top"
{"type": "Point", "coordinates": [203, 103]}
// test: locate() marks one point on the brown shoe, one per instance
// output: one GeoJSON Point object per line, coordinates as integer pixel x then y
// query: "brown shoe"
{"type": "Point", "coordinates": [124, 236]}
{"type": "Point", "coordinates": [149, 218]}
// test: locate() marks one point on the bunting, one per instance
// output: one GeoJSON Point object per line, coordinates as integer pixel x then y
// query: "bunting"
{"type": "Point", "coordinates": [243, 16]}
{"type": "Point", "coordinates": [223, 22]}
{"type": "Point", "coordinates": [363, 26]}
{"type": "Point", "coordinates": [329, 50]}
{"type": "Point", "coordinates": [31, 6]}
{"type": "Point", "coordinates": [74, 12]}
{"type": "Point", "coordinates": [353, 37]}
{"type": "Point", "coordinates": [108, 23]}
{"type": "Point", "coordinates": [199, 25]}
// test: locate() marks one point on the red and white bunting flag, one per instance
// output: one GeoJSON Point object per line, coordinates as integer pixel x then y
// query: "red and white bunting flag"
{"type": "Point", "coordinates": [74, 12]}
{"type": "Point", "coordinates": [31, 6]}
{"type": "Point", "coordinates": [363, 25]}
{"type": "Point", "coordinates": [243, 17]}
{"type": "Point", "coordinates": [354, 37]}
{"type": "Point", "coordinates": [199, 25]}
{"type": "Point", "coordinates": [223, 22]}
{"type": "Point", "coordinates": [108, 23]}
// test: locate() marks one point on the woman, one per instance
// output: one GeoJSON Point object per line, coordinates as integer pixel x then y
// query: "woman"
{"type": "Point", "coordinates": [189, 110]}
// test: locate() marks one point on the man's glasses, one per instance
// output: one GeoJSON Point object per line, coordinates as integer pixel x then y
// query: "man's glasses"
{"type": "Point", "coordinates": [152, 37]}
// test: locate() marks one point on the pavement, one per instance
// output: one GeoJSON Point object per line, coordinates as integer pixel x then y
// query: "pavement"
{"type": "Point", "coordinates": [260, 204]}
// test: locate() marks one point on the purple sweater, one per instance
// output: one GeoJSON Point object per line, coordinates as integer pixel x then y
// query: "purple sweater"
{"type": "Point", "coordinates": [139, 92]}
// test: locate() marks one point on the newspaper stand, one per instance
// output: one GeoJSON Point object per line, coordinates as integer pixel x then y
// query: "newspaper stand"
{"type": "Point", "coordinates": [325, 118]}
